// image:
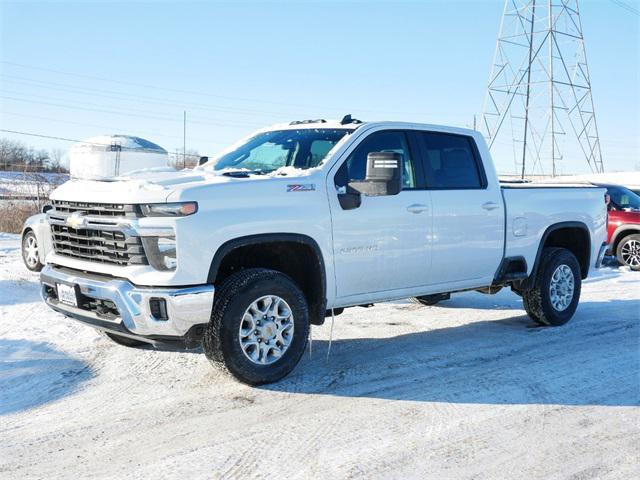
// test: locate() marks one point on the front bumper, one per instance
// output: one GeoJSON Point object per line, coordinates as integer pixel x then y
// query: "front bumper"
{"type": "Point", "coordinates": [603, 249]}
{"type": "Point", "coordinates": [128, 311]}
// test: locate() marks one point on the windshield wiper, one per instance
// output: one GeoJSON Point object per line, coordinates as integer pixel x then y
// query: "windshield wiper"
{"type": "Point", "coordinates": [244, 173]}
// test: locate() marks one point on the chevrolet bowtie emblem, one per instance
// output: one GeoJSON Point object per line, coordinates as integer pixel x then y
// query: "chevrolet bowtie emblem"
{"type": "Point", "coordinates": [76, 220]}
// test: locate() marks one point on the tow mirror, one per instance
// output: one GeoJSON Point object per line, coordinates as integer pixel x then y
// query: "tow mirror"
{"type": "Point", "coordinates": [383, 177]}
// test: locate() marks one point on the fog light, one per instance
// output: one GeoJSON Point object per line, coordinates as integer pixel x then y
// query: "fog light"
{"type": "Point", "coordinates": [161, 252]}
{"type": "Point", "coordinates": [158, 308]}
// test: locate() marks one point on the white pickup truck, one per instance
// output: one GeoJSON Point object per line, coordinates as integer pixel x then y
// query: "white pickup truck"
{"type": "Point", "coordinates": [243, 253]}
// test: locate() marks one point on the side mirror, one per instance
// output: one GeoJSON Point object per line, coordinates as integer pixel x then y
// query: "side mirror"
{"type": "Point", "coordinates": [203, 160]}
{"type": "Point", "coordinates": [46, 208]}
{"type": "Point", "coordinates": [383, 177]}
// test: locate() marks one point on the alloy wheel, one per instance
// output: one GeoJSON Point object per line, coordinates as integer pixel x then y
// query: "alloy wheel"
{"type": "Point", "coordinates": [266, 330]}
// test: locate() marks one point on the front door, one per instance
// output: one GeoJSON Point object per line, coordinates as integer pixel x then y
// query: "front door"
{"type": "Point", "coordinates": [383, 244]}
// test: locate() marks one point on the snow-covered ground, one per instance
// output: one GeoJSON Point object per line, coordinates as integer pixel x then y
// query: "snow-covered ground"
{"type": "Point", "coordinates": [408, 392]}
{"type": "Point", "coordinates": [29, 185]}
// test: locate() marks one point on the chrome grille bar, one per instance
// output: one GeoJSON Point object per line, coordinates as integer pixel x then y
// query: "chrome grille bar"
{"type": "Point", "coordinates": [103, 237]}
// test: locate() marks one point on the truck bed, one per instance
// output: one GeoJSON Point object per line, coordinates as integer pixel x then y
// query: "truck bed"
{"type": "Point", "coordinates": [532, 207]}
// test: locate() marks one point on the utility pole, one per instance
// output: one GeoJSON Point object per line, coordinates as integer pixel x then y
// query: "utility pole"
{"type": "Point", "coordinates": [184, 139]}
{"type": "Point", "coordinates": [539, 91]}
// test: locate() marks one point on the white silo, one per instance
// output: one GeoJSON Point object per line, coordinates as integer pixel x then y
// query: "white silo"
{"type": "Point", "coordinates": [108, 156]}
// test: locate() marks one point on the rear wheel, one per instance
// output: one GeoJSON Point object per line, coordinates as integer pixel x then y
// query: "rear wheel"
{"type": "Point", "coordinates": [556, 291]}
{"type": "Point", "coordinates": [125, 341]}
{"type": "Point", "coordinates": [30, 254]}
{"type": "Point", "coordinates": [259, 326]}
{"type": "Point", "coordinates": [628, 252]}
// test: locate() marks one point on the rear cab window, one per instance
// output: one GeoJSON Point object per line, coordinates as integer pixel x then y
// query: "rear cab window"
{"type": "Point", "coordinates": [451, 162]}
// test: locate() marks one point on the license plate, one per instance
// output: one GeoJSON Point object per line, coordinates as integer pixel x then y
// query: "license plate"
{"type": "Point", "coordinates": [67, 294]}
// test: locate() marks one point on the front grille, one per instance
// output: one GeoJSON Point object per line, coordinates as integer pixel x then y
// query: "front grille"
{"type": "Point", "coordinates": [99, 241]}
{"type": "Point", "coordinates": [103, 246]}
{"type": "Point", "coordinates": [97, 209]}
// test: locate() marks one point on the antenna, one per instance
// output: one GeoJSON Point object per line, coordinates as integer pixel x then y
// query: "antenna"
{"type": "Point", "coordinates": [539, 99]}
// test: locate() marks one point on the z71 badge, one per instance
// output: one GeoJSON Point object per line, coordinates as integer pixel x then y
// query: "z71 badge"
{"type": "Point", "coordinates": [302, 187]}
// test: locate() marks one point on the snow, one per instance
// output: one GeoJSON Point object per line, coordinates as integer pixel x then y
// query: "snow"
{"type": "Point", "coordinates": [293, 172]}
{"type": "Point", "coordinates": [29, 184]}
{"type": "Point", "coordinates": [629, 179]}
{"type": "Point", "coordinates": [467, 389]}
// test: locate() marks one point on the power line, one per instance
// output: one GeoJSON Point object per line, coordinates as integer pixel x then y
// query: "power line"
{"type": "Point", "coordinates": [626, 6]}
{"type": "Point", "coordinates": [211, 95]}
{"type": "Point", "coordinates": [124, 113]}
{"type": "Point", "coordinates": [137, 98]}
{"type": "Point", "coordinates": [51, 137]}
{"type": "Point", "coordinates": [142, 85]}
{"type": "Point", "coordinates": [139, 133]}
{"type": "Point", "coordinates": [214, 121]}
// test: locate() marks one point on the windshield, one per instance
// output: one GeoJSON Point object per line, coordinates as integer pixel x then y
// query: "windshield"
{"type": "Point", "coordinates": [623, 198]}
{"type": "Point", "coordinates": [268, 151]}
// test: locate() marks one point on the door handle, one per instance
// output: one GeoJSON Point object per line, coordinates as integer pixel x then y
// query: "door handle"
{"type": "Point", "coordinates": [490, 205]}
{"type": "Point", "coordinates": [417, 208]}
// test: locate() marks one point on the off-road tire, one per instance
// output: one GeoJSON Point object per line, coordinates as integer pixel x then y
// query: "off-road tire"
{"type": "Point", "coordinates": [25, 238]}
{"type": "Point", "coordinates": [125, 341]}
{"type": "Point", "coordinates": [624, 241]}
{"type": "Point", "coordinates": [221, 341]}
{"type": "Point", "coordinates": [537, 300]}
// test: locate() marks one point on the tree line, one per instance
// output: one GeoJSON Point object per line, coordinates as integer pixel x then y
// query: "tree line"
{"type": "Point", "coordinates": [17, 157]}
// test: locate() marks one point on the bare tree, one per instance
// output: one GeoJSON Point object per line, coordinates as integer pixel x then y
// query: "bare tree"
{"type": "Point", "coordinates": [179, 160]}
{"type": "Point", "coordinates": [55, 160]}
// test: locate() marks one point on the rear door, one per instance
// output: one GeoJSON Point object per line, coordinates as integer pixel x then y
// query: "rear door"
{"type": "Point", "coordinates": [467, 211]}
{"type": "Point", "coordinates": [381, 245]}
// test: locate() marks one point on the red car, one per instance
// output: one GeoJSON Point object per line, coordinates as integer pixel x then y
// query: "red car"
{"type": "Point", "coordinates": [624, 225]}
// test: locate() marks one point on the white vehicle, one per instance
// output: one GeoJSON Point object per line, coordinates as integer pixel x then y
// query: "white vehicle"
{"type": "Point", "coordinates": [243, 253]}
{"type": "Point", "coordinates": [36, 240]}
{"type": "Point", "coordinates": [107, 156]}
{"type": "Point", "coordinates": [99, 158]}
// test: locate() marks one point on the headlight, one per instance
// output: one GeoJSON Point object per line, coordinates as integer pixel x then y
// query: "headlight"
{"type": "Point", "coordinates": [161, 252]}
{"type": "Point", "coordinates": [179, 209]}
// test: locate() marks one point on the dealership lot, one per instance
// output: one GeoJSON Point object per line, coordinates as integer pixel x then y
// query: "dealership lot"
{"type": "Point", "coordinates": [472, 391]}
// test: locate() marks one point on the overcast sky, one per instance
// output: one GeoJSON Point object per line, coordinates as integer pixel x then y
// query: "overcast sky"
{"type": "Point", "coordinates": [74, 70]}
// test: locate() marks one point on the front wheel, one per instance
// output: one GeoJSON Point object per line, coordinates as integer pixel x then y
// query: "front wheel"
{"type": "Point", "coordinates": [259, 326]}
{"type": "Point", "coordinates": [30, 254]}
{"type": "Point", "coordinates": [628, 252]}
{"type": "Point", "coordinates": [556, 290]}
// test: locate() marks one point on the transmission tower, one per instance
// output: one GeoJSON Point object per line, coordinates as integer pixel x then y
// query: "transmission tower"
{"type": "Point", "coordinates": [539, 103]}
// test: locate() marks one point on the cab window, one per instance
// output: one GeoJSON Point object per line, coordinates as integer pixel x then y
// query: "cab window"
{"type": "Point", "coordinates": [354, 168]}
{"type": "Point", "coordinates": [451, 162]}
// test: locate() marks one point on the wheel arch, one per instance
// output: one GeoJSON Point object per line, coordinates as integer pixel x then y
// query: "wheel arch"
{"type": "Point", "coordinates": [621, 232]}
{"type": "Point", "coordinates": [304, 263]}
{"type": "Point", "coordinates": [574, 236]}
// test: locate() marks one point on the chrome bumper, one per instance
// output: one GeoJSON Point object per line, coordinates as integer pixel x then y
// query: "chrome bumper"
{"type": "Point", "coordinates": [603, 249]}
{"type": "Point", "coordinates": [186, 307]}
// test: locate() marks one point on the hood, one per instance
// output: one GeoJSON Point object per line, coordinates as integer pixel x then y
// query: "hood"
{"type": "Point", "coordinates": [146, 186]}
{"type": "Point", "coordinates": [152, 185]}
